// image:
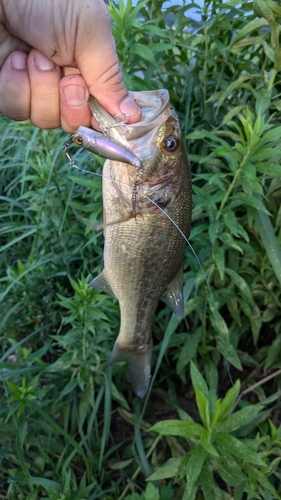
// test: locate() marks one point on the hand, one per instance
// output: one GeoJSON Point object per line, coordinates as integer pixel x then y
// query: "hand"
{"type": "Point", "coordinates": [53, 55]}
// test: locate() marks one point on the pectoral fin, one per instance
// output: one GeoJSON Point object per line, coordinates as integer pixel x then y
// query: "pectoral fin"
{"type": "Point", "coordinates": [139, 366]}
{"type": "Point", "coordinates": [174, 294]}
{"type": "Point", "coordinates": [101, 282]}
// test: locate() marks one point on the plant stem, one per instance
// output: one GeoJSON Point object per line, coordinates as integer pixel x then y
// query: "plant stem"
{"type": "Point", "coordinates": [136, 473]}
{"type": "Point", "coordinates": [254, 386]}
{"type": "Point", "coordinates": [232, 185]}
{"type": "Point", "coordinates": [272, 79]}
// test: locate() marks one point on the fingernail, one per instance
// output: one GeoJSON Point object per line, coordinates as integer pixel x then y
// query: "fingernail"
{"type": "Point", "coordinates": [75, 95]}
{"type": "Point", "coordinates": [43, 63]}
{"type": "Point", "coordinates": [19, 61]}
{"type": "Point", "coordinates": [129, 107]}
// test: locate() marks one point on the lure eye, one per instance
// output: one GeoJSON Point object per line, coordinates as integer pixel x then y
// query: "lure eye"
{"type": "Point", "coordinates": [79, 140]}
{"type": "Point", "coordinates": [171, 143]}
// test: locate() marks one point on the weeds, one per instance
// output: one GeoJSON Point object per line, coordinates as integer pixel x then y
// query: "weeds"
{"type": "Point", "coordinates": [71, 429]}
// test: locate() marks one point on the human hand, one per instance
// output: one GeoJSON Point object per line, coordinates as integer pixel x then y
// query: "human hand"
{"type": "Point", "coordinates": [41, 44]}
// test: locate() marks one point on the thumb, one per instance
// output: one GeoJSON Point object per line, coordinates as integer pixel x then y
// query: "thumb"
{"type": "Point", "coordinates": [97, 60]}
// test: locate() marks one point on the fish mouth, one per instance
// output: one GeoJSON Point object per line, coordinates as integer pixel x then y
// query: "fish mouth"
{"type": "Point", "coordinates": [140, 137]}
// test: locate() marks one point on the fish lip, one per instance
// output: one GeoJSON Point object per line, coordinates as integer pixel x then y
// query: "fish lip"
{"type": "Point", "coordinates": [155, 106]}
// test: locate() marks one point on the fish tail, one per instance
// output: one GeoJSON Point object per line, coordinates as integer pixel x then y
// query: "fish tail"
{"type": "Point", "coordinates": [139, 366]}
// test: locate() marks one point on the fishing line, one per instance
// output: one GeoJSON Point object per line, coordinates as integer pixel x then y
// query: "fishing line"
{"type": "Point", "coordinates": [73, 164]}
{"type": "Point", "coordinates": [206, 281]}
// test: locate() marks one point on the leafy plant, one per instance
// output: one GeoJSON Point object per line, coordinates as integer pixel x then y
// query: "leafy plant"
{"type": "Point", "coordinates": [215, 451]}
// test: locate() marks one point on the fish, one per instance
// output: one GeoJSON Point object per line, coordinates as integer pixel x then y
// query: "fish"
{"type": "Point", "coordinates": [146, 203]}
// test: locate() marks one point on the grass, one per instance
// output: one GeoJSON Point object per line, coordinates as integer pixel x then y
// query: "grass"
{"type": "Point", "coordinates": [71, 430]}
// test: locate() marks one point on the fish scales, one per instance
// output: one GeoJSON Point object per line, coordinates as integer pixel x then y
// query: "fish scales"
{"type": "Point", "coordinates": [143, 250]}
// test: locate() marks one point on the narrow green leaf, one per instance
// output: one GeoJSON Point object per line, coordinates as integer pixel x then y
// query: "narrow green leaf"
{"type": "Point", "coordinates": [122, 464]}
{"type": "Point", "coordinates": [178, 428]}
{"type": "Point", "coordinates": [198, 380]}
{"type": "Point", "coordinates": [18, 238]}
{"type": "Point", "coordinates": [237, 448]}
{"type": "Point", "coordinates": [194, 466]}
{"type": "Point", "coordinates": [82, 181]}
{"type": "Point", "coordinates": [264, 481]}
{"type": "Point", "coordinates": [239, 491]}
{"type": "Point", "coordinates": [197, 134]}
{"type": "Point", "coordinates": [271, 135]}
{"type": "Point", "coordinates": [205, 439]}
{"type": "Point", "coordinates": [203, 406]}
{"type": "Point", "coordinates": [227, 467]}
{"type": "Point", "coordinates": [161, 47]}
{"type": "Point", "coordinates": [263, 8]}
{"type": "Point", "coordinates": [215, 229]}
{"type": "Point", "coordinates": [249, 170]}
{"type": "Point", "coordinates": [230, 221]}
{"type": "Point", "coordinates": [226, 404]}
{"type": "Point", "coordinates": [256, 323]}
{"type": "Point", "coordinates": [264, 154]}
{"type": "Point", "coordinates": [262, 104]}
{"type": "Point", "coordinates": [167, 470]}
{"type": "Point", "coordinates": [219, 258]}
{"type": "Point", "coordinates": [118, 396]}
{"type": "Point", "coordinates": [251, 185]}
{"type": "Point", "coordinates": [247, 199]}
{"type": "Point", "coordinates": [228, 240]}
{"type": "Point", "coordinates": [134, 12]}
{"type": "Point", "coordinates": [190, 494]}
{"type": "Point", "coordinates": [42, 481]}
{"type": "Point", "coordinates": [144, 52]}
{"type": "Point", "coordinates": [218, 322]}
{"type": "Point", "coordinates": [273, 352]}
{"type": "Point", "coordinates": [189, 349]}
{"type": "Point", "coordinates": [251, 26]}
{"type": "Point", "coordinates": [232, 305]}
{"type": "Point", "coordinates": [241, 417]}
{"type": "Point", "coordinates": [150, 28]}
{"type": "Point", "coordinates": [234, 85]}
{"type": "Point", "coordinates": [270, 169]}
{"type": "Point", "coordinates": [233, 112]}
{"type": "Point", "coordinates": [269, 241]}
{"type": "Point", "coordinates": [241, 284]}
{"type": "Point", "coordinates": [207, 482]}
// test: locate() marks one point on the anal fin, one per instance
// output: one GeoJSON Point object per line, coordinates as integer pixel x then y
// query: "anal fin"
{"type": "Point", "coordinates": [101, 282]}
{"type": "Point", "coordinates": [174, 294]}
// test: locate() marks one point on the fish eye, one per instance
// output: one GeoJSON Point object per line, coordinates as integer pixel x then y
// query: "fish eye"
{"type": "Point", "coordinates": [171, 143]}
{"type": "Point", "coordinates": [79, 140]}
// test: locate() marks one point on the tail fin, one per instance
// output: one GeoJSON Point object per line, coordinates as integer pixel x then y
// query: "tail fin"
{"type": "Point", "coordinates": [139, 366]}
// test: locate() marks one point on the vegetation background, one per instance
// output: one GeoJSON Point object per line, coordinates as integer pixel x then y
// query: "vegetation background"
{"type": "Point", "coordinates": [71, 430]}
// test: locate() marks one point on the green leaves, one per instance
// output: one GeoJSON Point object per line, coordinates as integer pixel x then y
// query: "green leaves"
{"type": "Point", "coordinates": [269, 241]}
{"type": "Point", "coordinates": [240, 418]}
{"type": "Point", "coordinates": [188, 350]}
{"type": "Point", "coordinates": [178, 428]}
{"type": "Point", "coordinates": [223, 407]}
{"type": "Point", "coordinates": [194, 467]}
{"type": "Point", "coordinates": [237, 448]}
{"type": "Point", "coordinates": [218, 450]}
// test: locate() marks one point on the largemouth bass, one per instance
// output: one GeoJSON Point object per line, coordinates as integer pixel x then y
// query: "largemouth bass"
{"type": "Point", "coordinates": [143, 250]}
